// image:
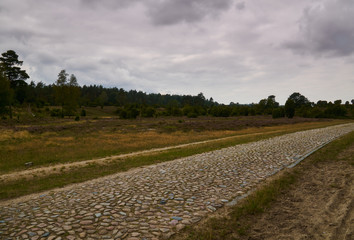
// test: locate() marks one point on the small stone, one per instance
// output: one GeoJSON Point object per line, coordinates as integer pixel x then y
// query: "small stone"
{"type": "Point", "coordinates": [211, 209]}
{"type": "Point", "coordinates": [67, 227]}
{"type": "Point", "coordinates": [164, 230]}
{"type": "Point", "coordinates": [85, 222]}
{"type": "Point", "coordinates": [42, 225]}
{"type": "Point", "coordinates": [46, 234]}
{"type": "Point", "coordinates": [135, 234]}
{"type": "Point", "coordinates": [119, 234]}
{"type": "Point", "coordinates": [195, 219]}
{"type": "Point", "coordinates": [102, 232]}
{"type": "Point", "coordinates": [179, 227]}
{"type": "Point", "coordinates": [29, 164]}
{"type": "Point", "coordinates": [174, 222]}
{"type": "Point", "coordinates": [185, 221]}
{"type": "Point", "coordinates": [97, 215]}
{"type": "Point", "coordinates": [177, 218]}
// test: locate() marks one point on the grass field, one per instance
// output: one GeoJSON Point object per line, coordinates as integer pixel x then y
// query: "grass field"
{"type": "Point", "coordinates": [70, 141]}
{"type": "Point", "coordinates": [64, 140]}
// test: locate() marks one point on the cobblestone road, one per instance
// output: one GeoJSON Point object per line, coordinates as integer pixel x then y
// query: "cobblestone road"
{"type": "Point", "coordinates": [157, 201]}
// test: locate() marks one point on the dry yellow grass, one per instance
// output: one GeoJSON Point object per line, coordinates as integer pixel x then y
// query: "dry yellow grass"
{"type": "Point", "coordinates": [56, 147]}
{"type": "Point", "coordinates": [6, 135]}
{"type": "Point", "coordinates": [51, 147]}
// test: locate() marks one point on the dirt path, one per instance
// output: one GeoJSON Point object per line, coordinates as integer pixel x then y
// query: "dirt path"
{"type": "Point", "coordinates": [57, 168]}
{"type": "Point", "coordinates": [320, 206]}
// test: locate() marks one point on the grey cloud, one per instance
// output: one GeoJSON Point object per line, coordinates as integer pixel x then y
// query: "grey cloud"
{"type": "Point", "coordinates": [175, 11]}
{"type": "Point", "coordinates": [326, 30]}
{"type": "Point", "coordinates": [15, 34]}
{"type": "Point", "coordinates": [43, 58]}
{"type": "Point", "coordinates": [240, 5]}
{"type": "Point", "coordinates": [121, 43]}
{"type": "Point", "coordinates": [108, 3]}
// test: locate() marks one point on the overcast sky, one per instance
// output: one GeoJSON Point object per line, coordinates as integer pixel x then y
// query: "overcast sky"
{"type": "Point", "coordinates": [239, 51]}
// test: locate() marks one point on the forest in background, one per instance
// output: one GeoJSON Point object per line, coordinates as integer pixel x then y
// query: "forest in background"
{"type": "Point", "coordinates": [65, 97]}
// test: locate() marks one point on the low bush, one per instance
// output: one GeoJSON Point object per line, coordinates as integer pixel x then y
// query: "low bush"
{"type": "Point", "coordinates": [56, 112]}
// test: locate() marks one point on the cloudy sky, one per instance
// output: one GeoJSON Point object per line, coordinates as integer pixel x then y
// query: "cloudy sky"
{"type": "Point", "coordinates": [240, 51]}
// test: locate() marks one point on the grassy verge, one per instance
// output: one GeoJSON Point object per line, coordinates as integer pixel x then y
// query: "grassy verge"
{"type": "Point", "coordinates": [11, 189]}
{"type": "Point", "coordinates": [237, 220]}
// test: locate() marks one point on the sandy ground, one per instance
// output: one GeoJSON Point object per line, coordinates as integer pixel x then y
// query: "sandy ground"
{"type": "Point", "coordinates": [320, 206]}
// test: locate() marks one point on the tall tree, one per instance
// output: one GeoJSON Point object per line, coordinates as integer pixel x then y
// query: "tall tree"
{"type": "Point", "coordinates": [67, 92]}
{"type": "Point", "coordinates": [6, 95]}
{"type": "Point", "coordinates": [60, 89]}
{"type": "Point", "coordinates": [271, 103]}
{"type": "Point", "coordinates": [10, 65]}
{"type": "Point", "coordinates": [73, 97]}
{"type": "Point", "coordinates": [289, 108]}
{"type": "Point", "coordinates": [62, 78]}
{"type": "Point", "coordinates": [266, 106]}
{"type": "Point", "coordinates": [299, 100]}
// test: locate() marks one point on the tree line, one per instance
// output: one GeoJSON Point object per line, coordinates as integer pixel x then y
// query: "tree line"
{"type": "Point", "coordinates": [69, 96]}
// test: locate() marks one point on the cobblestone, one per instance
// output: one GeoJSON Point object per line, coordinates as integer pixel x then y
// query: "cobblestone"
{"type": "Point", "coordinates": [155, 201]}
